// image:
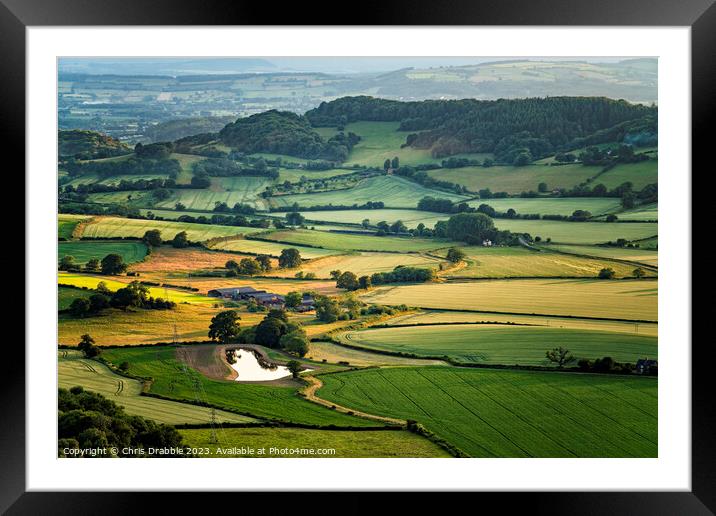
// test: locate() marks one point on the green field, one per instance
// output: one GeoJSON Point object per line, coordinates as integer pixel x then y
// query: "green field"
{"type": "Point", "coordinates": [366, 263]}
{"type": "Point", "coordinates": [490, 413]}
{"type": "Point", "coordinates": [553, 205]}
{"type": "Point", "coordinates": [66, 224]}
{"type": "Point", "coordinates": [453, 317]}
{"type": "Point", "coordinates": [579, 232]}
{"type": "Point", "coordinates": [270, 248]}
{"type": "Point", "coordinates": [502, 344]}
{"type": "Point", "coordinates": [294, 175]}
{"type": "Point", "coordinates": [271, 402]}
{"type": "Point", "coordinates": [616, 299]}
{"type": "Point", "coordinates": [348, 242]}
{"type": "Point", "coordinates": [334, 353]}
{"type": "Point", "coordinates": [97, 377]}
{"type": "Point", "coordinates": [645, 212]}
{"type": "Point", "coordinates": [646, 256]}
{"type": "Point", "coordinates": [130, 251]}
{"type": "Point", "coordinates": [343, 443]}
{"type": "Point", "coordinates": [639, 174]}
{"type": "Point", "coordinates": [66, 295]}
{"type": "Point", "coordinates": [515, 180]}
{"type": "Point", "coordinates": [394, 191]}
{"type": "Point", "coordinates": [514, 262]}
{"type": "Point", "coordinates": [381, 141]}
{"type": "Point", "coordinates": [114, 227]}
{"type": "Point", "coordinates": [91, 282]}
{"type": "Point", "coordinates": [411, 218]}
{"type": "Point", "coordinates": [230, 190]}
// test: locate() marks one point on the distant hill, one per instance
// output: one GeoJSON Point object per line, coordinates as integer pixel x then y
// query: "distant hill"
{"type": "Point", "coordinates": [283, 132]}
{"type": "Point", "coordinates": [505, 127]}
{"type": "Point", "coordinates": [177, 129]}
{"type": "Point", "coordinates": [89, 145]}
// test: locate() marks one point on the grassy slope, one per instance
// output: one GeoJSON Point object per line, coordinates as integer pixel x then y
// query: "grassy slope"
{"type": "Point", "coordinates": [259, 400]}
{"type": "Point", "coordinates": [346, 444]}
{"type": "Point", "coordinates": [334, 353]}
{"type": "Point", "coordinates": [224, 189]}
{"type": "Point", "coordinates": [115, 227]}
{"type": "Point", "coordinates": [553, 205]}
{"type": "Point", "coordinates": [620, 299]}
{"type": "Point", "coordinates": [269, 248]}
{"type": "Point", "coordinates": [94, 376]}
{"type": "Point", "coordinates": [515, 180]}
{"type": "Point", "coordinates": [647, 256]}
{"type": "Point", "coordinates": [491, 413]}
{"type": "Point", "coordinates": [131, 251]}
{"type": "Point", "coordinates": [394, 191]}
{"type": "Point", "coordinates": [498, 344]}
{"type": "Point", "coordinates": [579, 232]}
{"type": "Point", "coordinates": [363, 263]}
{"type": "Point", "coordinates": [346, 242]}
{"type": "Point", "coordinates": [438, 317]}
{"type": "Point", "coordinates": [497, 262]}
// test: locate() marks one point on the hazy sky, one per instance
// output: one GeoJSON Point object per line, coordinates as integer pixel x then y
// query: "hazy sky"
{"type": "Point", "coordinates": [199, 65]}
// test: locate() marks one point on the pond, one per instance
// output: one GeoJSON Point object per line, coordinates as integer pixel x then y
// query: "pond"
{"type": "Point", "coordinates": [251, 368]}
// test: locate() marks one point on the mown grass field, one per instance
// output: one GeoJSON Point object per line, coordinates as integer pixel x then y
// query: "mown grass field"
{"type": "Point", "coordinates": [363, 263]}
{"type": "Point", "coordinates": [173, 380]}
{"type": "Point", "coordinates": [97, 377]}
{"type": "Point", "coordinates": [491, 413]}
{"type": "Point", "coordinates": [223, 189]}
{"type": "Point", "coordinates": [553, 205]}
{"type": "Point", "coordinates": [67, 223]}
{"type": "Point", "coordinates": [117, 327]}
{"type": "Point", "coordinates": [334, 353]}
{"type": "Point", "coordinates": [411, 218]}
{"type": "Point", "coordinates": [345, 443]}
{"type": "Point", "coordinates": [91, 282]}
{"type": "Point", "coordinates": [501, 344]}
{"type": "Point", "coordinates": [394, 191]}
{"type": "Point", "coordinates": [349, 242]}
{"type": "Point", "coordinates": [620, 299]}
{"type": "Point", "coordinates": [115, 227]}
{"type": "Point", "coordinates": [506, 262]}
{"type": "Point", "coordinates": [442, 317]}
{"type": "Point", "coordinates": [270, 248]}
{"type": "Point", "coordinates": [647, 256]}
{"type": "Point", "coordinates": [130, 251]}
{"type": "Point", "coordinates": [579, 232]}
{"type": "Point", "coordinates": [515, 180]}
{"type": "Point", "coordinates": [168, 259]}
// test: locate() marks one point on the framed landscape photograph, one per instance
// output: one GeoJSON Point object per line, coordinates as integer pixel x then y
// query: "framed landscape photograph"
{"type": "Point", "coordinates": [406, 258]}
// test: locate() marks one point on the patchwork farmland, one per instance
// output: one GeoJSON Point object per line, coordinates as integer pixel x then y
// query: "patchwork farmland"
{"type": "Point", "coordinates": [383, 278]}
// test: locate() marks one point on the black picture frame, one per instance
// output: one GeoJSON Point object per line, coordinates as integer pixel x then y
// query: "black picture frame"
{"type": "Point", "coordinates": [700, 15]}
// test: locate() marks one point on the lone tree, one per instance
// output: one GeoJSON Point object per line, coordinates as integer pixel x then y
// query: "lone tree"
{"type": "Point", "coordinates": [455, 254]}
{"type": "Point", "coordinates": [606, 273]}
{"type": "Point", "coordinates": [295, 367]}
{"type": "Point", "coordinates": [80, 307]}
{"type": "Point", "coordinates": [113, 264]}
{"type": "Point", "coordinates": [152, 237]}
{"type": "Point", "coordinates": [561, 356]}
{"type": "Point", "coordinates": [293, 299]}
{"type": "Point", "coordinates": [294, 218]}
{"type": "Point", "coordinates": [638, 273]}
{"type": "Point", "coordinates": [87, 346]}
{"type": "Point", "coordinates": [290, 258]}
{"type": "Point", "coordinates": [348, 281]}
{"type": "Point", "coordinates": [224, 326]}
{"type": "Point", "coordinates": [180, 240]}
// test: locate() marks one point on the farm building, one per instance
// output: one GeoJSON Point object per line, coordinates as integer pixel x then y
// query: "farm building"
{"type": "Point", "coordinates": [646, 366]}
{"type": "Point", "coordinates": [268, 299]}
{"type": "Point", "coordinates": [307, 304]}
{"type": "Point", "coordinates": [234, 292]}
